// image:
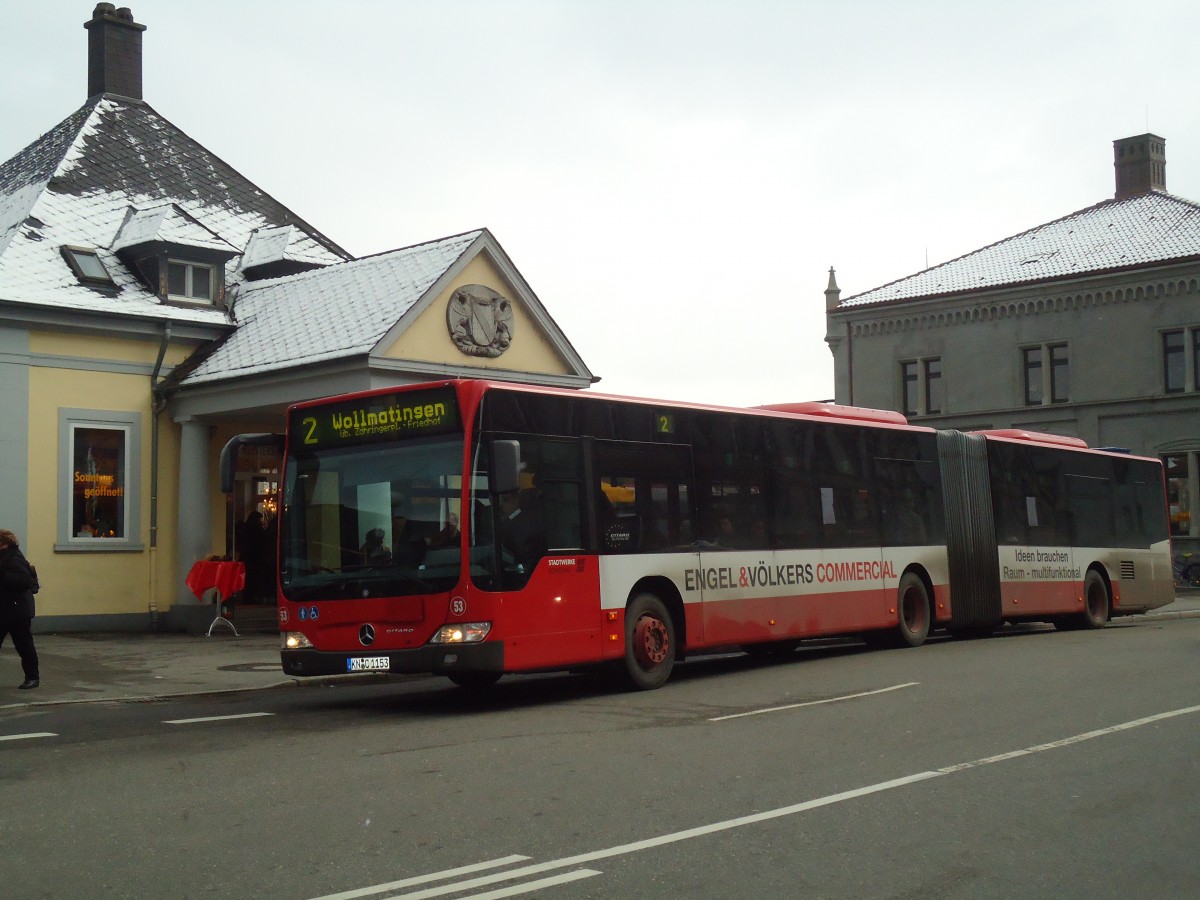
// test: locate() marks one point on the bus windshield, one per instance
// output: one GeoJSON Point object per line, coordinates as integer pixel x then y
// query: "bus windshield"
{"type": "Point", "coordinates": [375, 520]}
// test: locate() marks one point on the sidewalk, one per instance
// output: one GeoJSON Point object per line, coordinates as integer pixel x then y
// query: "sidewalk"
{"type": "Point", "coordinates": [78, 668]}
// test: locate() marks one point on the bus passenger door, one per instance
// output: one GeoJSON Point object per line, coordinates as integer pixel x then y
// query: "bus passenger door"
{"type": "Point", "coordinates": [547, 583]}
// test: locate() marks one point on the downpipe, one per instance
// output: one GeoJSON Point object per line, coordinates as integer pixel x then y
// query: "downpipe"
{"type": "Point", "coordinates": [158, 403]}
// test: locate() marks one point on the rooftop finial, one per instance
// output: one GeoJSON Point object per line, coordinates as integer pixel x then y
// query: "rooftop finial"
{"type": "Point", "coordinates": [833, 293]}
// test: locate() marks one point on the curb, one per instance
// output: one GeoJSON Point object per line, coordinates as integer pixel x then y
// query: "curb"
{"type": "Point", "coordinates": [324, 681]}
{"type": "Point", "coordinates": [146, 698]}
{"type": "Point", "coordinates": [1174, 614]}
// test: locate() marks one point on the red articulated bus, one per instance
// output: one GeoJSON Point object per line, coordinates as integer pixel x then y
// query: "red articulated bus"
{"type": "Point", "coordinates": [473, 528]}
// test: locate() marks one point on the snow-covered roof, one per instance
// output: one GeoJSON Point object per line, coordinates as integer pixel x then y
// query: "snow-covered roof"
{"type": "Point", "coordinates": [166, 223]}
{"type": "Point", "coordinates": [116, 173]}
{"type": "Point", "coordinates": [1149, 229]}
{"type": "Point", "coordinates": [268, 245]}
{"type": "Point", "coordinates": [331, 313]}
{"type": "Point", "coordinates": [116, 176]}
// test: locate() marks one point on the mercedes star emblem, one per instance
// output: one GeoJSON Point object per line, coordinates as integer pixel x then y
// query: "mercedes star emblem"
{"type": "Point", "coordinates": [366, 635]}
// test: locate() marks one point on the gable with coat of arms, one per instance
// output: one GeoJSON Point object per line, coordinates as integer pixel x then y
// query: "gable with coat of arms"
{"type": "Point", "coordinates": [480, 321]}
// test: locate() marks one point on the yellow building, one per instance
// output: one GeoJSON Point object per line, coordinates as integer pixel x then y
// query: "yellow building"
{"type": "Point", "coordinates": [154, 302]}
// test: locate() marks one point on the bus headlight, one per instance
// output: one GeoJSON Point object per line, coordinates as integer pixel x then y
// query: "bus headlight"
{"type": "Point", "coordinates": [462, 633]}
{"type": "Point", "coordinates": [294, 640]}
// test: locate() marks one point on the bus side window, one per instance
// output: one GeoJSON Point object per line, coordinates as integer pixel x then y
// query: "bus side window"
{"type": "Point", "coordinates": [616, 519]}
{"type": "Point", "coordinates": [849, 507]}
{"type": "Point", "coordinates": [909, 507]}
{"type": "Point", "coordinates": [543, 516]}
{"type": "Point", "coordinates": [642, 497]}
{"type": "Point", "coordinates": [794, 505]}
{"type": "Point", "coordinates": [796, 515]}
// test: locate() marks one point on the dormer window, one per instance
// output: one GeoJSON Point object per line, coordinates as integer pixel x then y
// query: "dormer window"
{"type": "Point", "coordinates": [87, 266]}
{"type": "Point", "coordinates": [189, 281]}
{"type": "Point", "coordinates": [174, 255]}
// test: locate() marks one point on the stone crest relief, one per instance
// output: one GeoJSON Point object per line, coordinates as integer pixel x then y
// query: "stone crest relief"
{"type": "Point", "coordinates": [480, 321]}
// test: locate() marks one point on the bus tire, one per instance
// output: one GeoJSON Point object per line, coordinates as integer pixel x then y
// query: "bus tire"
{"type": "Point", "coordinates": [649, 643]}
{"type": "Point", "coordinates": [1096, 602]}
{"type": "Point", "coordinates": [474, 681]}
{"type": "Point", "coordinates": [912, 610]}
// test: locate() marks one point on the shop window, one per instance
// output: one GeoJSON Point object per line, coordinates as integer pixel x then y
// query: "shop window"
{"type": "Point", "coordinates": [1181, 490]}
{"type": "Point", "coordinates": [99, 456]}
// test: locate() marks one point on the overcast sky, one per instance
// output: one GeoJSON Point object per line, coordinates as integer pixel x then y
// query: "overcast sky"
{"type": "Point", "coordinates": [674, 179]}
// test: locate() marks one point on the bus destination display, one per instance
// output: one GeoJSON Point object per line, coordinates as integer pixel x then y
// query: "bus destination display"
{"type": "Point", "coordinates": [368, 420]}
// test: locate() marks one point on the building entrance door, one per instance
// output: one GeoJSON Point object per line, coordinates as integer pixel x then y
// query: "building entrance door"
{"type": "Point", "coordinates": [251, 535]}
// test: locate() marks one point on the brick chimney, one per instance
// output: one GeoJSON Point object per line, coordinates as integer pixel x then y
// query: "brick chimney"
{"type": "Point", "coordinates": [114, 52]}
{"type": "Point", "coordinates": [1141, 164]}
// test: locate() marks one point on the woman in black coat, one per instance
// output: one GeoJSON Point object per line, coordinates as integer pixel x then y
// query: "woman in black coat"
{"type": "Point", "coordinates": [17, 587]}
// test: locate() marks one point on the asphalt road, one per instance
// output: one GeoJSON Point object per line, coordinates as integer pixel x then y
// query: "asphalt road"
{"type": "Point", "coordinates": [1031, 764]}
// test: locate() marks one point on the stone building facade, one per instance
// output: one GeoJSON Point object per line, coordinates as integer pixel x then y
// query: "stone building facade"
{"type": "Point", "coordinates": [1087, 326]}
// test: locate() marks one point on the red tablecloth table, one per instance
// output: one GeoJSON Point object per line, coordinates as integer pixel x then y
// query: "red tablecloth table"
{"type": "Point", "coordinates": [226, 577]}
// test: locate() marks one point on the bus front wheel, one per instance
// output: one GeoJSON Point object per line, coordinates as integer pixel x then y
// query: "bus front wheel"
{"type": "Point", "coordinates": [649, 643]}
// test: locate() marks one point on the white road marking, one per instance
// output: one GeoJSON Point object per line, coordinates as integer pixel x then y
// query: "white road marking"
{"type": "Point", "coordinates": [27, 736]}
{"type": "Point", "coordinates": [771, 709]}
{"type": "Point", "coordinates": [754, 818]}
{"type": "Point", "coordinates": [424, 879]}
{"type": "Point", "coordinates": [510, 875]}
{"type": "Point", "coordinates": [529, 886]}
{"type": "Point", "coordinates": [1066, 742]}
{"type": "Point", "coordinates": [623, 849]}
{"type": "Point", "coordinates": [215, 718]}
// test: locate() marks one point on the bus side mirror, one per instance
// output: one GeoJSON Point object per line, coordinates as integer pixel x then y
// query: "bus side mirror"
{"type": "Point", "coordinates": [506, 466]}
{"type": "Point", "coordinates": [229, 455]}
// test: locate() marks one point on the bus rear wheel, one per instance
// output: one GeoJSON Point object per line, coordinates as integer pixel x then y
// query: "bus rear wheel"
{"type": "Point", "coordinates": [1096, 609]}
{"type": "Point", "coordinates": [649, 643]}
{"type": "Point", "coordinates": [1095, 601]}
{"type": "Point", "coordinates": [912, 610]}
